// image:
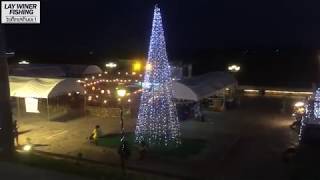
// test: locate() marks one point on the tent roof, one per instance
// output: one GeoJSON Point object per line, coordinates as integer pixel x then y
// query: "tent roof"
{"type": "Point", "coordinates": [42, 87]}
{"type": "Point", "coordinates": [209, 84]}
{"type": "Point", "coordinates": [181, 91]}
{"type": "Point", "coordinates": [53, 70]}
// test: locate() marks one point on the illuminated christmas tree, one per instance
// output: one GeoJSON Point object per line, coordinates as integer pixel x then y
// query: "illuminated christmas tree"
{"type": "Point", "coordinates": [157, 122]}
{"type": "Point", "coordinates": [316, 104]}
{"type": "Point", "coordinates": [311, 116]}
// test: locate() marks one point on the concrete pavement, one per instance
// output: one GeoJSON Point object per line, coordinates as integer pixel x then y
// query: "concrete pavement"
{"type": "Point", "coordinates": [13, 171]}
{"type": "Point", "coordinates": [243, 143]}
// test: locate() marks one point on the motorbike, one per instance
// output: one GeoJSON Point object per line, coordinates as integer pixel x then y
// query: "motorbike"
{"type": "Point", "coordinates": [298, 112]}
{"type": "Point", "coordinates": [296, 123]}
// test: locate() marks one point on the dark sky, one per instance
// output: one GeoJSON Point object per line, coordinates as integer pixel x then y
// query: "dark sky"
{"type": "Point", "coordinates": [195, 29]}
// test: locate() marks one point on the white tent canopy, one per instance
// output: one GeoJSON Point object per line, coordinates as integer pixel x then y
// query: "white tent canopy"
{"type": "Point", "coordinates": [183, 92]}
{"type": "Point", "coordinates": [209, 84]}
{"type": "Point", "coordinates": [32, 87]}
{"type": "Point", "coordinates": [92, 69]}
{"type": "Point", "coordinates": [53, 70]}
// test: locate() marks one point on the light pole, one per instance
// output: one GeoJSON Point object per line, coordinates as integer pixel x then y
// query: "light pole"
{"type": "Point", "coordinates": [121, 93]}
{"type": "Point", "coordinates": [122, 149]}
{"type": "Point", "coordinates": [234, 69]}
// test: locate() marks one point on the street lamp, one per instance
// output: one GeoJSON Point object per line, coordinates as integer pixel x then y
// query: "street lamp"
{"type": "Point", "coordinates": [137, 66]}
{"type": "Point", "coordinates": [111, 65]}
{"type": "Point", "coordinates": [23, 62]}
{"type": "Point", "coordinates": [234, 68]}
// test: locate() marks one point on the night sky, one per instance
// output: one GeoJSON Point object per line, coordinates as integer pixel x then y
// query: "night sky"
{"type": "Point", "coordinates": [265, 37]}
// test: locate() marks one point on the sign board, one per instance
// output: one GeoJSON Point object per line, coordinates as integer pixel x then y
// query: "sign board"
{"type": "Point", "coordinates": [20, 12]}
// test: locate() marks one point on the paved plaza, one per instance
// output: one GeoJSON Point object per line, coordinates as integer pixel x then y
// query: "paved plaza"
{"type": "Point", "coordinates": [256, 133]}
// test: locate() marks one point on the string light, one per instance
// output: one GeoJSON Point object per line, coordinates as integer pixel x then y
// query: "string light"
{"type": "Point", "coordinates": [157, 122]}
{"type": "Point", "coordinates": [312, 113]}
{"type": "Point", "coordinates": [317, 104]}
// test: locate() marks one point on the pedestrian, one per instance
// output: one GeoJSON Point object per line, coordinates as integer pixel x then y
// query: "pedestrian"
{"type": "Point", "coordinates": [142, 150]}
{"type": "Point", "coordinates": [15, 132]}
{"type": "Point", "coordinates": [124, 153]}
{"type": "Point", "coordinates": [202, 118]}
{"type": "Point", "coordinates": [197, 111]}
{"type": "Point", "coordinates": [95, 135]}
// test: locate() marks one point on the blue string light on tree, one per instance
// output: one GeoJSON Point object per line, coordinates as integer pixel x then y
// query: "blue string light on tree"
{"type": "Point", "coordinates": [316, 104]}
{"type": "Point", "coordinates": [312, 113]}
{"type": "Point", "coordinates": [157, 122]}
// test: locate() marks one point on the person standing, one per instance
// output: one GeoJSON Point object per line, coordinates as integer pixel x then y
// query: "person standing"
{"type": "Point", "coordinates": [15, 132]}
{"type": "Point", "coordinates": [95, 135]}
{"type": "Point", "coordinates": [124, 153]}
{"type": "Point", "coordinates": [142, 150]}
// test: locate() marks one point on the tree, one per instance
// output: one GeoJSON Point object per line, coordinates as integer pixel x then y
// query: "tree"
{"type": "Point", "coordinates": [157, 122]}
